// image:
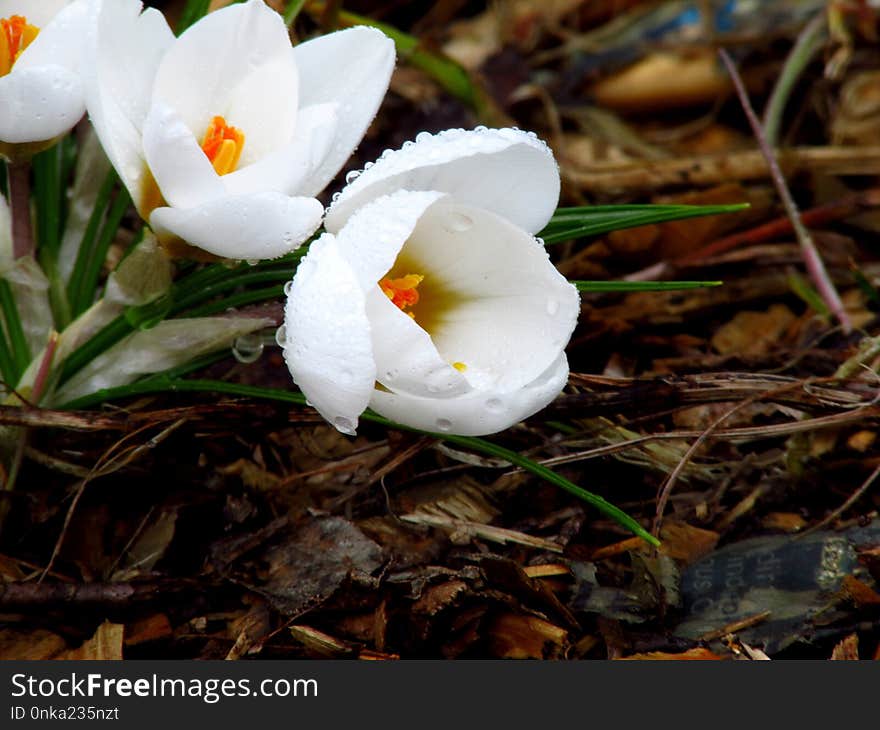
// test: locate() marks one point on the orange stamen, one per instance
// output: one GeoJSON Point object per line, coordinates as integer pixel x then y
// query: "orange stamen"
{"type": "Point", "coordinates": [403, 292]}
{"type": "Point", "coordinates": [16, 34]}
{"type": "Point", "coordinates": [222, 145]}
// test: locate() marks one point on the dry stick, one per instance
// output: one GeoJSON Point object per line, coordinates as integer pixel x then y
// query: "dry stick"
{"type": "Point", "coordinates": [782, 226]}
{"type": "Point", "coordinates": [19, 176]}
{"type": "Point", "coordinates": [105, 465]}
{"type": "Point", "coordinates": [666, 488]}
{"type": "Point", "coordinates": [812, 259]}
{"type": "Point", "coordinates": [719, 167]}
{"type": "Point", "coordinates": [853, 498]}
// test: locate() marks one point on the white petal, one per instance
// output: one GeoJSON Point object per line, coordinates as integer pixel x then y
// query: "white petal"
{"type": "Point", "coordinates": [507, 171]}
{"type": "Point", "coordinates": [327, 336]}
{"type": "Point", "coordinates": [287, 168]}
{"type": "Point", "coordinates": [252, 227]}
{"type": "Point", "coordinates": [351, 68]}
{"type": "Point", "coordinates": [406, 359]}
{"type": "Point", "coordinates": [477, 413]}
{"type": "Point", "coordinates": [374, 235]}
{"type": "Point", "coordinates": [124, 48]}
{"type": "Point", "coordinates": [59, 41]}
{"type": "Point", "coordinates": [38, 12]}
{"type": "Point", "coordinates": [39, 103]}
{"type": "Point", "coordinates": [499, 305]}
{"type": "Point", "coordinates": [181, 169]}
{"type": "Point", "coordinates": [264, 107]}
{"type": "Point", "coordinates": [208, 71]}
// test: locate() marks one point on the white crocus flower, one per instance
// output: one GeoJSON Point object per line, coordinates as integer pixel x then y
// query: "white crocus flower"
{"type": "Point", "coordinates": [41, 94]}
{"type": "Point", "coordinates": [429, 299]}
{"type": "Point", "coordinates": [224, 135]}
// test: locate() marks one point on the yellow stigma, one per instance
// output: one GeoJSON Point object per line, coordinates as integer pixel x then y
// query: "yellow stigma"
{"type": "Point", "coordinates": [460, 366]}
{"type": "Point", "coordinates": [222, 145]}
{"type": "Point", "coordinates": [16, 34]}
{"type": "Point", "coordinates": [403, 291]}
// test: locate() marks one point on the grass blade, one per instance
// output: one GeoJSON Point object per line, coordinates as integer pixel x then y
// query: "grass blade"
{"type": "Point", "coordinates": [163, 383]}
{"type": "Point", "coordinates": [19, 352]}
{"type": "Point", "coordinates": [76, 284]}
{"type": "Point", "coordinates": [591, 220]}
{"type": "Point", "coordinates": [630, 286]}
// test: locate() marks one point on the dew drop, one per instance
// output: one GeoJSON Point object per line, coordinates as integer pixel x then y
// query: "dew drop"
{"type": "Point", "coordinates": [495, 405]}
{"type": "Point", "coordinates": [248, 348]}
{"type": "Point", "coordinates": [287, 287]}
{"type": "Point", "coordinates": [351, 176]}
{"type": "Point", "coordinates": [423, 137]}
{"type": "Point", "coordinates": [252, 262]}
{"type": "Point", "coordinates": [344, 424]}
{"type": "Point", "coordinates": [552, 307]}
{"type": "Point", "coordinates": [281, 336]}
{"type": "Point", "coordinates": [443, 424]}
{"type": "Point", "coordinates": [459, 223]}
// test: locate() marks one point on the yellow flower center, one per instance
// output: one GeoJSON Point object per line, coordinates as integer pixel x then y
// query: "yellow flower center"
{"type": "Point", "coordinates": [403, 291]}
{"type": "Point", "coordinates": [16, 34]}
{"type": "Point", "coordinates": [222, 145]}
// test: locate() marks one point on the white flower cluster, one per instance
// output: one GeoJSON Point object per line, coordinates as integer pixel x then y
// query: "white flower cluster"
{"type": "Point", "coordinates": [427, 299]}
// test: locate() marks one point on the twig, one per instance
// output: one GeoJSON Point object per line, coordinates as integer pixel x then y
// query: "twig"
{"type": "Point", "coordinates": [781, 226]}
{"type": "Point", "coordinates": [107, 464]}
{"type": "Point", "coordinates": [720, 167]}
{"type": "Point", "coordinates": [853, 498]}
{"type": "Point", "coordinates": [100, 594]}
{"type": "Point", "coordinates": [812, 259]}
{"type": "Point", "coordinates": [669, 483]}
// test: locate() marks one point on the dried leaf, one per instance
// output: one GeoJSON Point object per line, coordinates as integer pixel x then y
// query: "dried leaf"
{"type": "Point", "coordinates": [847, 649]}
{"type": "Point", "coordinates": [314, 563]}
{"type": "Point", "coordinates": [753, 333]}
{"type": "Point", "coordinates": [105, 644]}
{"type": "Point", "coordinates": [29, 645]}
{"type": "Point", "coordinates": [696, 654]}
{"type": "Point", "coordinates": [516, 636]}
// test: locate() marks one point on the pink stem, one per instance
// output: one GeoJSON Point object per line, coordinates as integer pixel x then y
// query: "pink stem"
{"type": "Point", "coordinates": [812, 259]}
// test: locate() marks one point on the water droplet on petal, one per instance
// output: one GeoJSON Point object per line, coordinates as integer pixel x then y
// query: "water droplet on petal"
{"type": "Point", "coordinates": [281, 336]}
{"type": "Point", "coordinates": [351, 176]}
{"type": "Point", "coordinates": [495, 405]}
{"type": "Point", "coordinates": [287, 287]}
{"type": "Point", "coordinates": [248, 348]}
{"type": "Point", "coordinates": [443, 424]}
{"type": "Point", "coordinates": [344, 425]}
{"type": "Point", "coordinates": [459, 223]}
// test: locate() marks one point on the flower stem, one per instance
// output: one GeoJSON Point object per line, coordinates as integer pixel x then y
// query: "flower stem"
{"type": "Point", "coordinates": [812, 259]}
{"type": "Point", "coordinates": [19, 175]}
